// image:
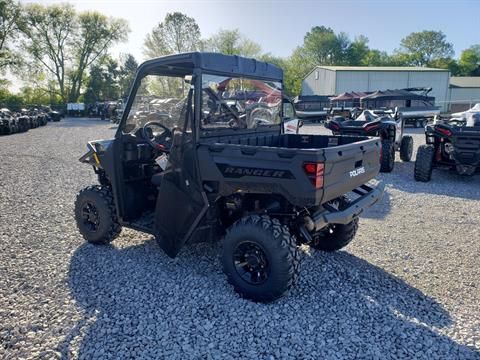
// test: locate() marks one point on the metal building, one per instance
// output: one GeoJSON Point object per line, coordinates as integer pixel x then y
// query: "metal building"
{"type": "Point", "coordinates": [334, 80]}
{"type": "Point", "coordinates": [464, 92]}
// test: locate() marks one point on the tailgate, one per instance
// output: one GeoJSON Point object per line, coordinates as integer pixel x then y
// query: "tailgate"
{"type": "Point", "coordinates": [350, 166]}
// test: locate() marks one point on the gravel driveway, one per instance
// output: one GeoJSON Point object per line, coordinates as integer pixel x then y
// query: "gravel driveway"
{"type": "Point", "coordinates": [407, 287]}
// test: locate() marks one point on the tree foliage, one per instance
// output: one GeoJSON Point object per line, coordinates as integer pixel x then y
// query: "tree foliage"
{"type": "Point", "coordinates": [177, 33]}
{"type": "Point", "coordinates": [10, 25]}
{"type": "Point", "coordinates": [48, 33]}
{"type": "Point", "coordinates": [96, 34]}
{"type": "Point", "coordinates": [232, 42]}
{"type": "Point", "coordinates": [103, 81]}
{"type": "Point", "coordinates": [422, 48]}
{"type": "Point", "coordinates": [469, 62]}
{"type": "Point", "coordinates": [65, 43]}
{"type": "Point", "coordinates": [324, 47]}
{"type": "Point", "coordinates": [127, 74]}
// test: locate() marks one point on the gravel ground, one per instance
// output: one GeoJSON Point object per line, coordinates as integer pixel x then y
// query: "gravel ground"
{"type": "Point", "coordinates": [407, 287]}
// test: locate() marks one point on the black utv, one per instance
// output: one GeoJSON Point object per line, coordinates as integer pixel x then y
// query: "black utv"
{"type": "Point", "coordinates": [194, 159]}
{"type": "Point", "coordinates": [386, 125]}
{"type": "Point", "coordinates": [450, 144]}
{"type": "Point", "coordinates": [8, 122]}
{"type": "Point", "coordinates": [5, 123]}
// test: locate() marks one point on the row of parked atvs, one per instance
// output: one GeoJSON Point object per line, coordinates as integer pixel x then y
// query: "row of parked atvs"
{"type": "Point", "coordinates": [451, 143]}
{"type": "Point", "coordinates": [20, 121]}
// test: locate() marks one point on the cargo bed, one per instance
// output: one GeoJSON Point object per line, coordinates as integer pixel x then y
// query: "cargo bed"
{"type": "Point", "coordinates": [252, 161]}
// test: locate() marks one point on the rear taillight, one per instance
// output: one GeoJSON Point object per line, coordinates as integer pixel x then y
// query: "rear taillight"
{"type": "Point", "coordinates": [334, 126]}
{"type": "Point", "coordinates": [369, 128]}
{"type": "Point", "coordinates": [443, 131]}
{"type": "Point", "coordinates": [314, 172]}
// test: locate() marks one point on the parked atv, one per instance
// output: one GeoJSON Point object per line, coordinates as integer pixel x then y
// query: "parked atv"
{"type": "Point", "coordinates": [52, 115]}
{"type": "Point", "coordinates": [452, 144]}
{"type": "Point", "coordinates": [42, 117]}
{"type": "Point", "coordinates": [205, 170]}
{"type": "Point", "coordinates": [389, 127]}
{"type": "Point", "coordinates": [23, 123]}
{"type": "Point", "coordinates": [5, 123]}
{"type": "Point", "coordinates": [9, 122]}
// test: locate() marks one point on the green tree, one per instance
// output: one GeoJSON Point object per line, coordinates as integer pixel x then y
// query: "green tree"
{"type": "Point", "coordinates": [103, 81]}
{"type": "Point", "coordinates": [97, 33]}
{"type": "Point", "coordinates": [10, 24]}
{"type": "Point", "coordinates": [447, 63]}
{"type": "Point", "coordinates": [324, 47]}
{"type": "Point", "coordinates": [127, 74]}
{"type": "Point", "coordinates": [9, 100]}
{"type": "Point", "coordinates": [64, 43]}
{"type": "Point", "coordinates": [376, 58]}
{"type": "Point", "coordinates": [358, 51]}
{"type": "Point", "coordinates": [422, 48]}
{"type": "Point", "coordinates": [34, 95]}
{"type": "Point", "coordinates": [232, 42]}
{"type": "Point", "coordinates": [177, 33]}
{"type": "Point", "coordinates": [296, 68]}
{"type": "Point", "coordinates": [48, 32]}
{"type": "Point", "coordinates": [469, 62]}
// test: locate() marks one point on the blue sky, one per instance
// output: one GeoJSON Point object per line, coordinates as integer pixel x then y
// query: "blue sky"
{"type": "Point", "coordinates": [279, 26]}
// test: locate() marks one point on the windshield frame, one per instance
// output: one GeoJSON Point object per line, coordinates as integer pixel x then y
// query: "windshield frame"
{"type": "Point", "coordinates": [197, 75]}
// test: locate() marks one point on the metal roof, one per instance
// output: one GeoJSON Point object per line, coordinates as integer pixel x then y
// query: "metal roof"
{"type": "Point", "coordinates": [378, 68]}
{"type": "Point", "coordinates": [465, 81]}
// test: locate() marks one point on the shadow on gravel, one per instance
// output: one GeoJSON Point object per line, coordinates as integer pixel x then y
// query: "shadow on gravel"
{"type": "Point", "coordinates": [139, 303]}
{"type": "Point", "coordinates": [381, 209]}
{"type": "Point", "coordinates": [443, 182]}
{"type": "Point", "coordinates": [79, 122]}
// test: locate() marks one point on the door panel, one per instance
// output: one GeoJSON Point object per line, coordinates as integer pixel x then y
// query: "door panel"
{"type": "Point", "coordinates": [181, 203]}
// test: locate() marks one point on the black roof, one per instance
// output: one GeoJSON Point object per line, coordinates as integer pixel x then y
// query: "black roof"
{"type": "Point", "coordinates": [313, 98]}
{"type": "Point", "coordinates": [183, 64]}
{"type": "Point", "coordinates": [394, 95]}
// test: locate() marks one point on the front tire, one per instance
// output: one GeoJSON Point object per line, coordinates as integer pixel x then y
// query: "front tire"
{"type": "Point", "coordinates": [96, 216]}
{"type": "Point", "coordinates": [387, 161]}
{"type": "Point", "coordinates": [260, 258]}
{"type": "Point", "coordinates": [406, 148]}
{"type": "Point", "coordinates": [424, 163]}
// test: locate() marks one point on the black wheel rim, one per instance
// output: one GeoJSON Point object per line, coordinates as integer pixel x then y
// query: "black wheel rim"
{"type": "Point", "coordinates": [90, 217]}
{"type": "Point", "coordinates": [251, 263]}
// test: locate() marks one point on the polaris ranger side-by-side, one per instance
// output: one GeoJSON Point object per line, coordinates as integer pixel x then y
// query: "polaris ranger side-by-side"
{"type": "Point", "coordinates": [214, 162]}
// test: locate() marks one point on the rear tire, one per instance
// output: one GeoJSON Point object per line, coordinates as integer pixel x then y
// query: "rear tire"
{"type": "Point", "coordinates": [406, 148]}
{"type": "Point", "coordinates": [424, 163]}
{"type": "Point", "coordinates": [260, 258]}
{"type": "Point", "coordinates": [96, 215]}
{"type": "Point", "coordinates": [387, 161]}
{"type": "Point", "coordinates": [336, 236]}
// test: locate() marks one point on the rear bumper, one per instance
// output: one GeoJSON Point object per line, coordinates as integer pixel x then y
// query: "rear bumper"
{"type": "Point", "coordinates": [369, 195]}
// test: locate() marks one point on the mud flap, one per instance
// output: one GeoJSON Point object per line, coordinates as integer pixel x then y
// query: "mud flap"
{"type": "Point", "coordinates": [180, 207]}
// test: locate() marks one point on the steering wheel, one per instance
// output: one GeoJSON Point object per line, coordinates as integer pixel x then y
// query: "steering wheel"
{"type": "Point", "coordinates": [162, 141]}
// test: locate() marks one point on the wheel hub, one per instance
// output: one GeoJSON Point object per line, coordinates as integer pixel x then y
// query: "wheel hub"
{"type": "Point", "coordinates": [90, 216]}
{"type": "Point", "coordinates": [251, 263]}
